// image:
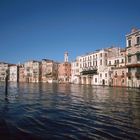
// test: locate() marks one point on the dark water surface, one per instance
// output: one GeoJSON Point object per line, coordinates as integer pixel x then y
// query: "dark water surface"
{"type": "Point", "coordinates": [69, 112]}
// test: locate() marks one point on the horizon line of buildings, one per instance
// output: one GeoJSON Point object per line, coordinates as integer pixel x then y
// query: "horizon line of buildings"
{"type": "Point", "coordinates": [111, 66]}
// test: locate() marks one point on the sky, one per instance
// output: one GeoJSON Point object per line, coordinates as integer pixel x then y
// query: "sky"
{"type": "Point", "coordinates": [45, 29]}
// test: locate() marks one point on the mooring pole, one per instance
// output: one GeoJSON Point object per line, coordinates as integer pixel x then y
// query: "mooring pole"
{"type": "Point", "coordinates": [6, 85]}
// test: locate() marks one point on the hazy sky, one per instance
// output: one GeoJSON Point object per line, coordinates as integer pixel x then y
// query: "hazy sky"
{"type": "Point", "coordinates": [37, 29]}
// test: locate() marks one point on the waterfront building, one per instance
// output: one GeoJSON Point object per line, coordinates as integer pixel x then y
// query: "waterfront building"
{"type": "Point", "coordinates": [49, 71]}
{"type": "Point", "coordinates": [112, 66]}
{"type": "Point", "coordinates": [13, 73]}
{"type": "Point", "coordinates": [64, 70]}
{"type": "Point", "coordinates": [87, 68]}
{"type": "Point", "coordinates": [21, 74]}
{"type": "Point", "coordinates": [102, 69]}
{"type": "Point", "coordinates": [32, 71]}
{"type": "Point", "coordinates": [133, 58]}
{"type": "Point", "coordinates": [3, 70]}
{"type": "Point", "coordinates": [75, 73]}
{"type": "Point", "coordinates": [93, 68]}
{"type": "Point", "coordinates": [116, 67]}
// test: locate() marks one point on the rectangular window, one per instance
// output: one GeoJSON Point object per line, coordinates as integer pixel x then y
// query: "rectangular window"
{"type": "Point", "coordinates": [129, 43]}
{"type": "Point", "coordinates": [95, 80]}
{"type": "Point", "coordinates": [138, 40]}
{"type": "Point", "coordinates": [138, 57]}
{"type": "Point", "coordinates": [101, 75]}
{"type": "Point", "coordinates": [96, 63]}
{"type": "Point", "coordinates": [105, 74]}
{"type": "Point", "coordinates": [129, 59]}
{"type": "Point", "coordinates": [105, 62]}
{"type": "Point", "coordinates": [138, 70]}
{"type": "Point", "coordinates": [83, 64]}
{"type": "Point", "coordinates": [101, 62]}
{"type": "Point", "coordinates": [109, 63]}
{"type": "Point", "coordinates": [90, 64]}
{"type": "Point", "coordinates": [129, 70]}
{"type": "Point", "coordinates": [100, 54]}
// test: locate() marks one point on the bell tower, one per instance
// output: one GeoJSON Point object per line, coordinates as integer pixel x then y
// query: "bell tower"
{"type": "Point", "coordinates": [66, 57]}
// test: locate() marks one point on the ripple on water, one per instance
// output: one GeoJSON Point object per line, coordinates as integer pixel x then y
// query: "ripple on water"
{"type": "Point", "coordinates": [71, 112]}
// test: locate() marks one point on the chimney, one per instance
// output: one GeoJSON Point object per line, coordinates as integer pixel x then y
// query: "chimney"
{"type": "Point", "coordinates": [133, 30]}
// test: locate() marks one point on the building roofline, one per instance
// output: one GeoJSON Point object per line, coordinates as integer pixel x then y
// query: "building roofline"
{"type": "Point", "coordinates": [5, 63]}
{"type": "Point", "coordinates": [32, 61]}
{"type": "Point", "coordinates": [132, 33]}
{"type": "Point", "coordinates": [12, 65]}
{"type": "Point", "coordinates": [97, 51]}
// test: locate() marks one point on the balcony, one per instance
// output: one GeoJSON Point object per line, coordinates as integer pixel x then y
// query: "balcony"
{"type": "Point", "coordinates": [133, 65]}
{"type": "Point", "coordinates": [129, 46]}
{"type": "Point", "coordinates": [137, 44]}
{"type": "Point", "coordinates": [122, 76]}
{"type": "Point", "coordinates": [137, 74]}
{"type": "Point", "coordinates": [89, 71]}
{"type": "Point", "coordinates": [49, 74]}
{"type": "Point", "coordinates": [128, 74]}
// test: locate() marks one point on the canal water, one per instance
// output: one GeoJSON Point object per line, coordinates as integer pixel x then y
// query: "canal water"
{"type": "Point", "coordinates": [69, 112]}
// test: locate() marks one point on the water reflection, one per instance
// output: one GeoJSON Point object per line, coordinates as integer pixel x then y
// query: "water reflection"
{"type": "Point", "coordinates": [63, 111]}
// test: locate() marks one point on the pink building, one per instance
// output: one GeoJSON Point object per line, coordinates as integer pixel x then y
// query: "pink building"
{"type": "Point", "coordinates": [21, 74]}
{"type": "Point", "coordinates": [119, 69]}
{"type": "Point", "coordinates": [64, 70]}
{"type": "Point", "coordinates": [133, 58]}
{"type": "Point", "coordinates": [49, 71]}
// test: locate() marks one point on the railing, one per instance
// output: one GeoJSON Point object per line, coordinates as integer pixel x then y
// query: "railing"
{"type": "Point", "coordinates": [89, 71]}
{"type": "Point", "coordinates": [129, 46]}
{"type": "Point", "coordinates": [137, 44]}
{"type": "Point", "coordinates": [137, 74]}
{"type": "Point", "coordinates": [128, 74]}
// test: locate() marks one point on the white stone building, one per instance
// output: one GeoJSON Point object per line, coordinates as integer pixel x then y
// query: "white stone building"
{"type": "Point", "coordinates": [32, 71]}
{"type": "Point", "coordinates": [13, 73]}
{"type": "Point", "coordinates": [75, 71]}
{"type": "Point", "coordinates": [98, 67]}
{"type": "Point", "coordinates": [92, 68]}
{"type": "Point", "coordinates": [3, 70]}
{"type": "Point", "coordinates": [102, 68]}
